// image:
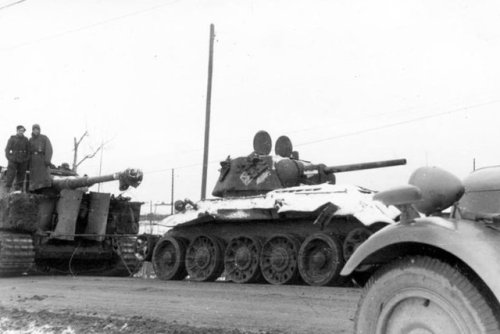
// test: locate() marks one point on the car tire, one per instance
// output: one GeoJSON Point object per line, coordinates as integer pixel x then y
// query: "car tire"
{"type": "Point", "coordinates": [425, 295]}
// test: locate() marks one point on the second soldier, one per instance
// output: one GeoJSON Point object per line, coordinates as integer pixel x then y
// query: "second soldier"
{"type": "Point", "coordinates": [17, 154]}
{"type": "Point", "coordinates": [41, 155]}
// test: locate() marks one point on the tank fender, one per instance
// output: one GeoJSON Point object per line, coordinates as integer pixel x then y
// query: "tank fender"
{"type": "Point", "coordinates": [477, 244]}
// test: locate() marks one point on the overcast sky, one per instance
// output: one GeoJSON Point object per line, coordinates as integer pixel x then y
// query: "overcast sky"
{"type": "Point", "coordinates": [348, 81]}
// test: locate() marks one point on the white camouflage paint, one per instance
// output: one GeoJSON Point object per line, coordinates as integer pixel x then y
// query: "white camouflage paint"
{"type": "Point", "coordinates": [351, 200]}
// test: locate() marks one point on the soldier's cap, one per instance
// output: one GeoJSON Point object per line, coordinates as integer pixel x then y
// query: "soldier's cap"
{"type": "Point", "coordinates": [20, 127]}
{"type": "Point", "coordinates": [35, 126]}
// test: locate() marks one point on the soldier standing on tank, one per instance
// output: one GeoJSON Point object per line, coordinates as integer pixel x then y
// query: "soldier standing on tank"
{"type": "Point", "coordinates": [40, 157]}
{"type": "Point", "coordinates": [17, 154]}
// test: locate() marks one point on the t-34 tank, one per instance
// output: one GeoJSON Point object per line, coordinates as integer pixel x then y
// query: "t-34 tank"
{"type": "Point", "coordinates": [68, 229]}
{"type": "Point", "coordinates": [277, 218]}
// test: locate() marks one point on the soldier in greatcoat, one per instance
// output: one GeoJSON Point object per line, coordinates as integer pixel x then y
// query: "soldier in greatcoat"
{"type": "Point", "coordinates": [41, 155]}
{"type": "Point", "coordinates": [17, 154]}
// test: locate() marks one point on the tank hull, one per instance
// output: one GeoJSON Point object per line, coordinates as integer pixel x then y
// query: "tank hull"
{"type": "Point", "coordinates": [299, 227]}
{"type": "Point", "coordinates": [112, 257]}
{"type": "Point", "coordinates": [21, 255]}
{"type": "Point", "coordinates": [75, 233]}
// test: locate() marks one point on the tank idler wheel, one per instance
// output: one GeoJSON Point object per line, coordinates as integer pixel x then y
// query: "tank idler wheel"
{"type": "Point", "coordinates": [204, 259]}
{"type": "Point", "coordinates": [354, 239]}
{"type": "Point", "coordinates": [278, 260]}
{"type": "Point", "coordinates": [321, 260]}
{"type": "Point", "coordinates": [168, 258]}
{"type": "Point", "coordinates": [420, 294]}
{"type": "Point", "coordinates": [241, 259]}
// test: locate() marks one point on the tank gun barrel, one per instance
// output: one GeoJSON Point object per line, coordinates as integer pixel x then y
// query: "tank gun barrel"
{"type": "Point", "coordinates": [364, 165]}
{"type": "Point", "coordinates": [129, 177]}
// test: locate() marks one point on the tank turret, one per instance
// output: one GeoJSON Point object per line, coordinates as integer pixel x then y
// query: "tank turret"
{"type": "Point", "coordinates": [259, 172]}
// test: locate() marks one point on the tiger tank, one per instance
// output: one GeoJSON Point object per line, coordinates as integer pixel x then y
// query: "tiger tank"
{"type": "Point", "coordinates": [274, 218]}
{"type": "Point", "coordinates": [64, 228]}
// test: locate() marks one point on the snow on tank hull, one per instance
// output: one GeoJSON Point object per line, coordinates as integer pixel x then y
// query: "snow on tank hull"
{"type": "Point", "coordinates": [284, 236]}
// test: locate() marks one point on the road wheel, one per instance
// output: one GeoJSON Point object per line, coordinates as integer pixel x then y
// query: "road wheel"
{"type": "Point", "coordinates": [424, 295]}
{"type": "Point", "coordinates": [321, 260]}
{"type": "Point", "coordinates": [278, 259]}
{"type": "Point", "coordinates": [241, 259]}
{"type": "Point", "coordinates": [354, 239]}
{"type": "Point", "coordinates": [204, 258]}
{"type": "Point", "coordinates": [168, 258]}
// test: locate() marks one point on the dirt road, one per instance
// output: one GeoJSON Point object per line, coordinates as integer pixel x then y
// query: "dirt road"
{"type": "Point", "coordinates": [154, 306]}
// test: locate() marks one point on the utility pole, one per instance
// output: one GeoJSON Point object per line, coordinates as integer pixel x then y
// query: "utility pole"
{"type": "Point", "coordinates": [207, 116]}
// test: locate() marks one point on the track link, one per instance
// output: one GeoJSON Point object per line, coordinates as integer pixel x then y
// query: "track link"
{"type": "Point", "coordinates": [17, 253]}
{"type": "Point", "coordinates": [126, 262]}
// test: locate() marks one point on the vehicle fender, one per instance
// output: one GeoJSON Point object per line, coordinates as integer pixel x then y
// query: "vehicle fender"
{"type": "Point", "coordinates": [477, 244]}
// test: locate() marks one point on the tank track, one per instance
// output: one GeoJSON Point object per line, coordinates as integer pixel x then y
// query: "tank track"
{"type": "Point", "coordinates": [126, 262]}
{"type": "Point", "coordinates": [17, 253]}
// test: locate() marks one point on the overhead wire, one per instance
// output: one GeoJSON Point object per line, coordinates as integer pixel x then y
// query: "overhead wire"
{"type": "Point", "coordinates": [89, 26]}
{"type": "Point", "coordinates": [309, 129]}
{"type": "Point", "coordinates": [354, 133]}
{"type": "Point", "coordinates": [390, 125]}
{"type": "Point", "coordinates": [372, 116]}
{"type": "Point", "coordinates": [12, 4]}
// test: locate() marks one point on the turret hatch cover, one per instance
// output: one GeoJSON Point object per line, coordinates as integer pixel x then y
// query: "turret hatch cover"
{"type": "Point", "coordinates": [283, 147]}
{"type": "Point", "coordinates": [262, 143]}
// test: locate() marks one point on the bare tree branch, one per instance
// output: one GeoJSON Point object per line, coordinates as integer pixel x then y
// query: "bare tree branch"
{"type": "Point", "coordinates": [81, 138]}
{"type": "Point", "coordinates": [75, 149]}
{"type": "Point", "coordinates": [91, 155]}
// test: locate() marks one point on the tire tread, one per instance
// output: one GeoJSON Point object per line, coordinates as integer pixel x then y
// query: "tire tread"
{"type": "Point", "coordinates": [480, 299]}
